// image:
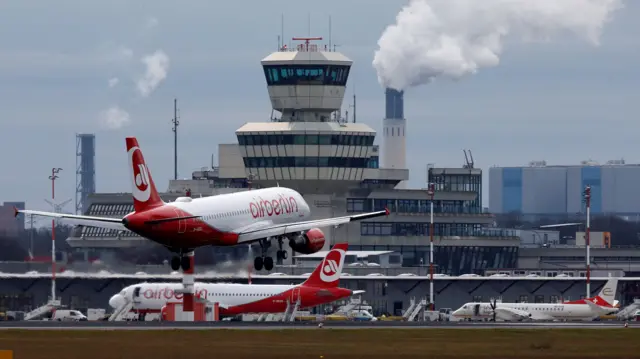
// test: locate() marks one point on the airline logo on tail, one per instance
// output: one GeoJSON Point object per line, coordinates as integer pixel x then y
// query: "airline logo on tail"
{"type": "Point", "coordinates": [145, 195]}
{"type": "Point", "coordinates": [332, 265]}
{"type": "Point", "coordinates": [327, 274]}
{"type": "Point", "coordinates": [141, 187]}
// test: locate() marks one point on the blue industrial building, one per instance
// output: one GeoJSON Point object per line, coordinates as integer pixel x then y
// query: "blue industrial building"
{"type": "Point", "coordinates": [558, 190]}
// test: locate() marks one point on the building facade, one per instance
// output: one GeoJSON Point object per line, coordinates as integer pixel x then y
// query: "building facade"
{"type": "Point", "coordinates": [558, 190]}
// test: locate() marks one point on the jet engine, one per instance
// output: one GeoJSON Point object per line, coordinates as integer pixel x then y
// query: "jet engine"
{"type": "Point", "coordinates": [307, 243]}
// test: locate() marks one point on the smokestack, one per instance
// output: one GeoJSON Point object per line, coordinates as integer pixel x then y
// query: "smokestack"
{"type": "Point", "coordinates": [394, 103]}
{"type": "Point", "coordinates": [394, 146]}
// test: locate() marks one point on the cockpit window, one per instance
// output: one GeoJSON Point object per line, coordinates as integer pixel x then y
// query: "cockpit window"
{"type": "Point", "coordinates": [464, 307]}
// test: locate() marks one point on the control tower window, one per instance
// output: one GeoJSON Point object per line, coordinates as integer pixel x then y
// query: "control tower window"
{"type": "Point", "coordinates": [328, 75]}
{"type": "Point", "coordinates": [274, 140]}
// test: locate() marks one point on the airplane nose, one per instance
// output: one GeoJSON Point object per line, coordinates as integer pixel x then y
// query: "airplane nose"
{"type": "Point", "coordinates": [116, 301]}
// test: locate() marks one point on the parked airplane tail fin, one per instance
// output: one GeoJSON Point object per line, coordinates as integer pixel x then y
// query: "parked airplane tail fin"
{"type": "Point", "coordinates": [327, 274]}
{"type": "Point", "coordinates": [607, 295]}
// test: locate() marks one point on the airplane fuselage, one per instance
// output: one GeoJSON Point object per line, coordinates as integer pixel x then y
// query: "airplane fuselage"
{"type": "Point", "coordinates": [237, 298]}
{"type": "Point", "coordinates": [218, 217]}
{"type": "Point", "coordinates": [537, 310]}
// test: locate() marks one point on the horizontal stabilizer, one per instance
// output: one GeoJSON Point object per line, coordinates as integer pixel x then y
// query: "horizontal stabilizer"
{"type": "Point", "coordinates": [356, 292]}
{"type": "Point", "coordinates": [172, 219]}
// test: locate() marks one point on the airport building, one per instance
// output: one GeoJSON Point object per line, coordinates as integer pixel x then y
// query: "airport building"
{"type": "Point", "coordinates": [542, 190]}
{"type": "Point", "coordinates": [335, 164]}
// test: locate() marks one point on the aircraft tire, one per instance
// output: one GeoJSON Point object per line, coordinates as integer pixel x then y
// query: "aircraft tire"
{"type": "Point", "coordinates": [184, 263]}
{"type": "Point", "coordinates": [175, 263]}
{"type": "Point", "coordinates": [257, 263]}
{"type": "Point", "coordinates": [268, 263]}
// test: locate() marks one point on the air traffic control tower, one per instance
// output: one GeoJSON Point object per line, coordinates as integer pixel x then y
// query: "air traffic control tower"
{"type": "Point", "coordinates": [307, 142]}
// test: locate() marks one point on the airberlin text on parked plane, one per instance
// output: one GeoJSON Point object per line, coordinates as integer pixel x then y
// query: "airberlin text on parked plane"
{"type": "Point", "coordinates": [168, 293]}
{"type": "Point", "coordinates": [266, 208]}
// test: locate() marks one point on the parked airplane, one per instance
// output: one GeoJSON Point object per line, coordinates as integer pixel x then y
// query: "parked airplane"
{"type": "Point", "coordinates": [320, 288]}
{"type": "Point", "coordinates": [224, 220]}
{"type": "Point", "coordinates": [589, 308]}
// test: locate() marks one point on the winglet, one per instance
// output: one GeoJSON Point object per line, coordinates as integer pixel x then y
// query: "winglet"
{"type": "Point", "coordinates": [387, 211]}
{"type": "Point", "coordinates": [16, 211]}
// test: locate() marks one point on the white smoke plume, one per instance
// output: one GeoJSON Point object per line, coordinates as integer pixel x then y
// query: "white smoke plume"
{"type": "Point", "coordinates": [157, 67]}
{"type": "Point", "coordinates": [115, 118]}
{"type": "Point", "coordinates": [113, 82]}
{"type": "Point", "coordinates": [454, 38]}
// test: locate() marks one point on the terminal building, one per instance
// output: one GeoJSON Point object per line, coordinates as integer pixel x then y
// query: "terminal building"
{"type": "Point", "coordinates": [544, 191]}
{"type": "Point", "coordinates": [335, 164]}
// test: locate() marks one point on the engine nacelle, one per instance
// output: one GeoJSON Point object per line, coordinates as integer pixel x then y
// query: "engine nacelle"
{"type": "Point", "coordinates": [307, 243]}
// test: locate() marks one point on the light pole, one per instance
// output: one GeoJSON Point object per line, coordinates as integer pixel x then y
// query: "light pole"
{"type": "Point", "coordinates": [587, 199]}
{"type": "Point", "coordinates": [53, 178]}
{"type": "Point", "coordinates": [431, 192]}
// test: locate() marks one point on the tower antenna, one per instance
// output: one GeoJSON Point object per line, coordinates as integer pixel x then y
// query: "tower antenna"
{"type": "Point", "coordinates": [282, 29]}
{"type": "Point", "coordinates": [175, 138]}
{"type": "Point", "coordinates": [329, 32]}
{"type": "Point", "coordinates": [309, 25]}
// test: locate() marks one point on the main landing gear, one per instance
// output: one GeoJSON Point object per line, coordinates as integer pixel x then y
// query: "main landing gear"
{"type": "Point", "coordinates": [180, 261]}
{"type": "Point", "coordinates": [265, 261]}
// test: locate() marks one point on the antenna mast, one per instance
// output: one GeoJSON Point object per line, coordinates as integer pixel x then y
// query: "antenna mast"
{"type": "Point", "coordinates": [175, 138]}
{"type": "Point", "coordinates": [329, 32]}
{"type": "Point", "coordinates": [282, 30]}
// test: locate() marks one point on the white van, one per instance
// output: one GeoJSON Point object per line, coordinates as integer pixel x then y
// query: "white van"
{"type": "Point", "coordinates": [68, 315]}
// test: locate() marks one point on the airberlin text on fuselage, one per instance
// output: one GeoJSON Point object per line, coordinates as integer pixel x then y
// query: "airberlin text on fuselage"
{"type": "Point", "coordinates": [266, 208]}
{"type": "Point", "coordinates": [168, 293]}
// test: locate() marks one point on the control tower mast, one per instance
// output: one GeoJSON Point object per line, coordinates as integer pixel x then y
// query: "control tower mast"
{"type": "Point", "coordinates": [307, 83]}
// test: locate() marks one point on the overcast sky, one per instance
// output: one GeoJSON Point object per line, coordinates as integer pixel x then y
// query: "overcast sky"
{"type": "Point", "coordinates": [561, 101]}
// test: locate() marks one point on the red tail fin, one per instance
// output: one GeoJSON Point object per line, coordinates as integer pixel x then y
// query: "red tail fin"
{"type": "Point", "coordinates": [145, 195]}
{"type": "Point", "coordinates": [327, 274]}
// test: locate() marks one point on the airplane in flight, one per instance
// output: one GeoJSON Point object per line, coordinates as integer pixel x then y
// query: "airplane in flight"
{"type": "Point", "coordinates": [584, 309]}
{"type": "Point", "coordinates": [320, 288]}
{"type": "Point", "coordinates": [224, 220]}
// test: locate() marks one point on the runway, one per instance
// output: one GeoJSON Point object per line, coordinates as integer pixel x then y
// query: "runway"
{"type": "Point", "coordinates": [103, 325]}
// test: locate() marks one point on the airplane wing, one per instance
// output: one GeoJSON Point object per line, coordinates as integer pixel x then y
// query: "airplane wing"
{"type": "Point", "coordinates": [273, 230]}
{"type": "Point", "coordinates": [596, 309]}
{"type": "Point", "coordinates": [89, 221]}
{"type": "Point", "coordinates": [511, 313]}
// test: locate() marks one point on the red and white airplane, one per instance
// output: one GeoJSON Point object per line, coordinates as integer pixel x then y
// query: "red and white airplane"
{"type": "Point", "coordinates": [224, 220]}
{"type": "Point", "coordinates": [583, 309]}
{"type": "Point", "coordinates": [320, 288]}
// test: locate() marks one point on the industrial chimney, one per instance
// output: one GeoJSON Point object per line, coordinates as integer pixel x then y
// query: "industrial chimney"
{"type": "Point", "coordinates": [394, 146]}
